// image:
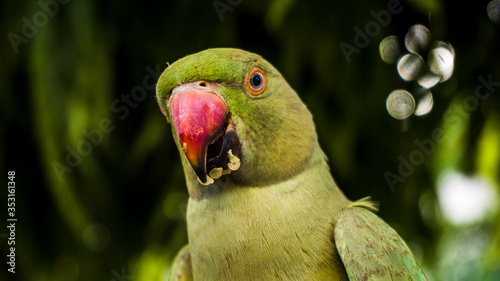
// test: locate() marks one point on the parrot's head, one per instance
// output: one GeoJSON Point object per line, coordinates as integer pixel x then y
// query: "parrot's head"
{"type": "Point", "coordinates": [233, 115]}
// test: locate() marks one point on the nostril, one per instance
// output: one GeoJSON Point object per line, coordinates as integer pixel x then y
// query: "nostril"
{"type": "Point", "coordinates": [203, 84]}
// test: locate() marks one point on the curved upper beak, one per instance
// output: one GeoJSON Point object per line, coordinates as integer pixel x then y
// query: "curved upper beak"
{"type": "Point", "coordinates": [199, 117]}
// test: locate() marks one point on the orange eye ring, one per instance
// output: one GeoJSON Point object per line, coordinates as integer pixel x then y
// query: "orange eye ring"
{"type": "Point", "coordinates": [256, 81]}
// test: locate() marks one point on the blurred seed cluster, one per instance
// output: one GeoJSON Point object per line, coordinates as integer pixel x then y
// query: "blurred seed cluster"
{"type": "Point", "coordinates": [411, 67]}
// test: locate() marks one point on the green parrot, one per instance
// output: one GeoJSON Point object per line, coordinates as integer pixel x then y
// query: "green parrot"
{"type": "Point", "coordinates": [262, 202]}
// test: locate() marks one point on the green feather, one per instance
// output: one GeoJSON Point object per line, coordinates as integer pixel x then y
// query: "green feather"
{"type": "Point", "coordinates": [371, 250]}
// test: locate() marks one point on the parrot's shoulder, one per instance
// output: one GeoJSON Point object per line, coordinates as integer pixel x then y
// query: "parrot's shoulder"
{"type": "Point", "coordinates": [181, 268]}
{"type": "Point", "coordinates": [370, 249]}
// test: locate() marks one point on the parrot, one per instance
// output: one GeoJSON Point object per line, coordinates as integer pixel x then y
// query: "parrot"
{"type": "Point", "coordinates": [263, 204]}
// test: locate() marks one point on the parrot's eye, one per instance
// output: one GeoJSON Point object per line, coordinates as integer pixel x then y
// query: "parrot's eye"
{"type": "Point", "coordinates": [256, 81]}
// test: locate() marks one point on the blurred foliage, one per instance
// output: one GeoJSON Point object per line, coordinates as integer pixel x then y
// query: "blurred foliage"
{"type": "Point", "coordinates": [100, 191]}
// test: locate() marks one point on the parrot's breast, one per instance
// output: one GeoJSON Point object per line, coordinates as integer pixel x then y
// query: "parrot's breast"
{"type": "Point", "coordinates": [284, 230]}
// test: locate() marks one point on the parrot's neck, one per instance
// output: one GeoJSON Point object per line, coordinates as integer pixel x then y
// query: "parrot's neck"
{"type": "Point", "coordinates": [316, 170]}
{"type": "Point", "coordinates": [273, 228]}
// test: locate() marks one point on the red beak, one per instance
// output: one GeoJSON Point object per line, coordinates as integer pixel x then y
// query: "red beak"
{"type": "Point", "coordinates": [199, 118]}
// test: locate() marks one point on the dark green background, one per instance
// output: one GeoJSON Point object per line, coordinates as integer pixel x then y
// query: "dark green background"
{"type": "Point", "coordinates": [121, 209]}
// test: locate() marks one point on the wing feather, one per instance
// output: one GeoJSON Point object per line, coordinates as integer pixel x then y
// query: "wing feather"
{"type": "Point", "coordinates": [371, 250]}
{"type": "Point", "coordinates": [181, 269]}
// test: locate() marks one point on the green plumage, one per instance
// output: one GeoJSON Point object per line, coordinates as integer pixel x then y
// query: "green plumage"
{"type": "Point", "coordinates": [280, 216]}
{"type": "Point", "coordinates": [376, 252]}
